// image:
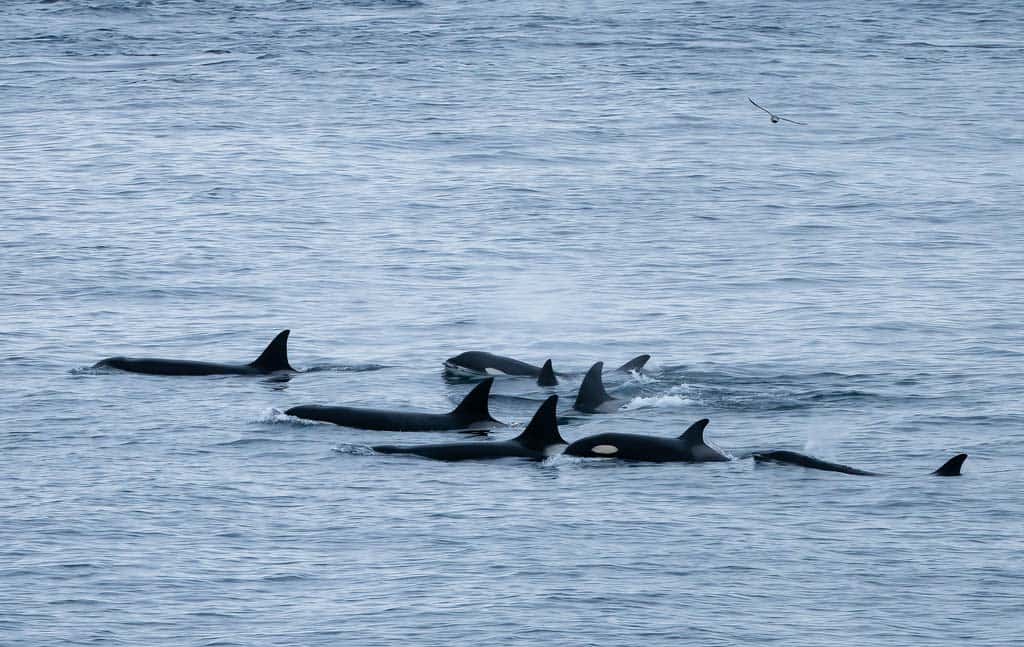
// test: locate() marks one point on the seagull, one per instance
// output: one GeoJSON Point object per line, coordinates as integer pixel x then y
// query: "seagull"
{"type": "Point", "coordinates": [775, 118]}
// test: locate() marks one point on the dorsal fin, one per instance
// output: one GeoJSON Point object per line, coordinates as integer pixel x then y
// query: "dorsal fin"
{"type": "Point", "coordinates": [694, 434]}
{"type": "Point", "coordinates": [275, 355]}
{"type": "Point", "coordinates": [474, 406]}
{"type": "Point", "coordinates": [547, 375]}
{"type": "Point", "coordinates": [542, 432]}
{"type": "Point", "coordinates": [592, 394]}
{"type": "Point", "coordinates": [635, 364]}
{"type": "Point", "coordinates": [952, 466]}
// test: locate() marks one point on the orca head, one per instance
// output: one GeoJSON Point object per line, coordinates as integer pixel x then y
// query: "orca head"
{"type": "Point", "coordinates": [636, 364]}
{"type": "Point", "coordinates": [598, 446]}
{"type": "Point", "coordinates": [469, 361]}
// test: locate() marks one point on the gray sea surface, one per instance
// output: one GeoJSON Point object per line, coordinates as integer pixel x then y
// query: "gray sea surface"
{"type": "Point", "coordinates": [400, 181]}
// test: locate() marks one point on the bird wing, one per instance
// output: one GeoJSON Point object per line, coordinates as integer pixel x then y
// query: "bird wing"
{"type": "Point", "coordinates": [798, 123]}
{"type": "Point", "coordinates": [761, 107]}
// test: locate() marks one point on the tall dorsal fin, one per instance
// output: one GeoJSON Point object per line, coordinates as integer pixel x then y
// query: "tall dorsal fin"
{"type": "Point", "coordinates": [694, 434]}
{"type": "Point", "coordinates": [473, 407]}
{"type": "Point", "coordinates": [592, 394]}
{"type": "Point", "coordinates": [635, 364]}
{"type": "Point", "coordinates": [547, 375]}
{"type": "Point", "coordinates": [275, 355]}
{"type": "Point", "coordinates": [952, 466]}
{"type": "Point", "coordinates": [542, 432]}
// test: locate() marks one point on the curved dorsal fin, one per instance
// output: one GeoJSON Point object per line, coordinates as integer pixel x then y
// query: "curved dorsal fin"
{"type": "Point", "coordinates": [542, 432]}
{"type": "Point", "coordinates": [474, 406]}
{"type": "Point", "coordinates": [694, 434]}
{"type": "Point", "coordinates": [952, 466]}
{"type": "Point", "coordinates": [592, 394]}
{"type": "Point", "coordinates": [275, 355]}
{"type": "Point", "coordinates": [635, 364]}
{"type": "Point", "coordinates": [547, 375]}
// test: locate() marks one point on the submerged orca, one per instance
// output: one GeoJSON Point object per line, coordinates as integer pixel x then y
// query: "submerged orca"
{"type": "Point", "coordinates": [539, 440]}
{"type": "Point", "coordinates": [274, 358]}
{"type": "Point", "coordinates": [490, 364]}
{"type": "Point", "coordinates": [949, 468]}
{"type": "Point", "coordinates": [690, 447]}
{"type": "Point", "coordinates": [472, 413]}
{"type": "Point", "coordinates": [592, 398]}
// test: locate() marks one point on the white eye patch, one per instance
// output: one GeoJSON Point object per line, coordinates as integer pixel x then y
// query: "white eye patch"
{"type": "Point", "coordinates": [605, 450]}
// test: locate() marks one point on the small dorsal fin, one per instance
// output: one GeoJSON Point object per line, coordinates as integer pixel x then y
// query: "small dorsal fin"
{"type": "Point", "coordinates": [694, 434]}
{"type": "Point", "coordinates": [547, 375]}
{"type": "Point", "coordinates": [275, 355]}
{"type": "Point", "coordinates": [592, 394]}
{"type": "Point", "coordinates": [473, 407]}
{"type": "Point", "coordinates": [635, 364]}
{"type": "Point", "coordinates": [542, 432]}
{"type": "Point", "coordinates": [952, 466]}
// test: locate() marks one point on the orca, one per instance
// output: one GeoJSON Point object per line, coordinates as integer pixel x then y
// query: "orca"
{"type": "Point", "coordinates": [547, 375]}
{"type": "Point", "coordinates": [949, 468]}
{"type": "Point", "coordinates": [634, 365]}
{"type": "Point", "coordinates": [477, 361]}
{"type": "Point", "coordinates": [539, 440]}
{"type": "Point", "coordinates": [689, 447]}
{"type": "Point", "coordinates": [274, 358]}
{"type": "Point", "coordinates": [592, 398]}
{"type": "Point", "coordinates": [472, 413]}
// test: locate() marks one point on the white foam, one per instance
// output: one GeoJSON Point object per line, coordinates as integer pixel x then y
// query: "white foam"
{"type": "Point", "coordinates": [275, 415]}
{"type": "Point", "coordinates": [638, 377]}
{"type": "Point", "coordinates": [667, 401]}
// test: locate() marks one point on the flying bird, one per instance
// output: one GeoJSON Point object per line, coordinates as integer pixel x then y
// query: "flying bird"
{"type": "Point", "coordinates": [775, 118]}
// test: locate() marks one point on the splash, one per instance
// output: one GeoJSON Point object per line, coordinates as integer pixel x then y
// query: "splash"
{"type": "Point", "coordinates": [678, 397]}
{"type": "Point", "coordinates": [274, 415]}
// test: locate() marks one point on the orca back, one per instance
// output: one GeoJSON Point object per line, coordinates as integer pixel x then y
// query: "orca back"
{"type": "Point", "coordinates": [592, 393]}
{"type": "Point", "coordinates": [952, 466]}
{"type": "Point", "coordinates": [547, 375]}
{"type": "Point", "coordinates": [275, 355]}
{"type": "Point", "coordinates": [542, 432]}
{"type": "Point", "coordinates": [473, 407]}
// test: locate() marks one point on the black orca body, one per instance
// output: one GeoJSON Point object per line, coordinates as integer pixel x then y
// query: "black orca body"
{"type": "Point", "coordinates": [539, 440]}
{"type": "Point", "coordinates": [690, 447]}
{"type": "Point", "coordinates": [274, 358]}
{"type": "Point", "coordinates": [636, 364]}
{"type": "Point", "coordinates": [592, 397]}
{"type": "Point", "coordinates": [489, 364]}
{"type": "Point", "coordinates": [949, 468]}
{"type": "Point", "coordinates": [472, 413]}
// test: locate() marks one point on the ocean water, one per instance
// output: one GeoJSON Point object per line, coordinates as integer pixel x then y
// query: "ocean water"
{"type": "Point", "coordinates": [401, 181]}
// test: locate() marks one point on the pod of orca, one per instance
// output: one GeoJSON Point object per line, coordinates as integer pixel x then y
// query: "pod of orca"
{"type": "Point", "coordinates": [541, 438]}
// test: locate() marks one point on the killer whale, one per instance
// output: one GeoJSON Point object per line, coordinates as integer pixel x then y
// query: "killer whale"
{"type": "Point", "coordinates": [472, 413]}
{"type": "Point", "coordinates": [490, 364]}
{"type": "Point", "coordinates": [689, 447]}
{"type": "Point", "coordinates": [477, 361]}
{"type": "Point", "coordinates": [274, 358]}
{"type": "Point", "coordinates": [539, 440]}
{"type": "Point", "coordinates": [592, 397]}
{"type": "Point", "coordinates": [949, 468]}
